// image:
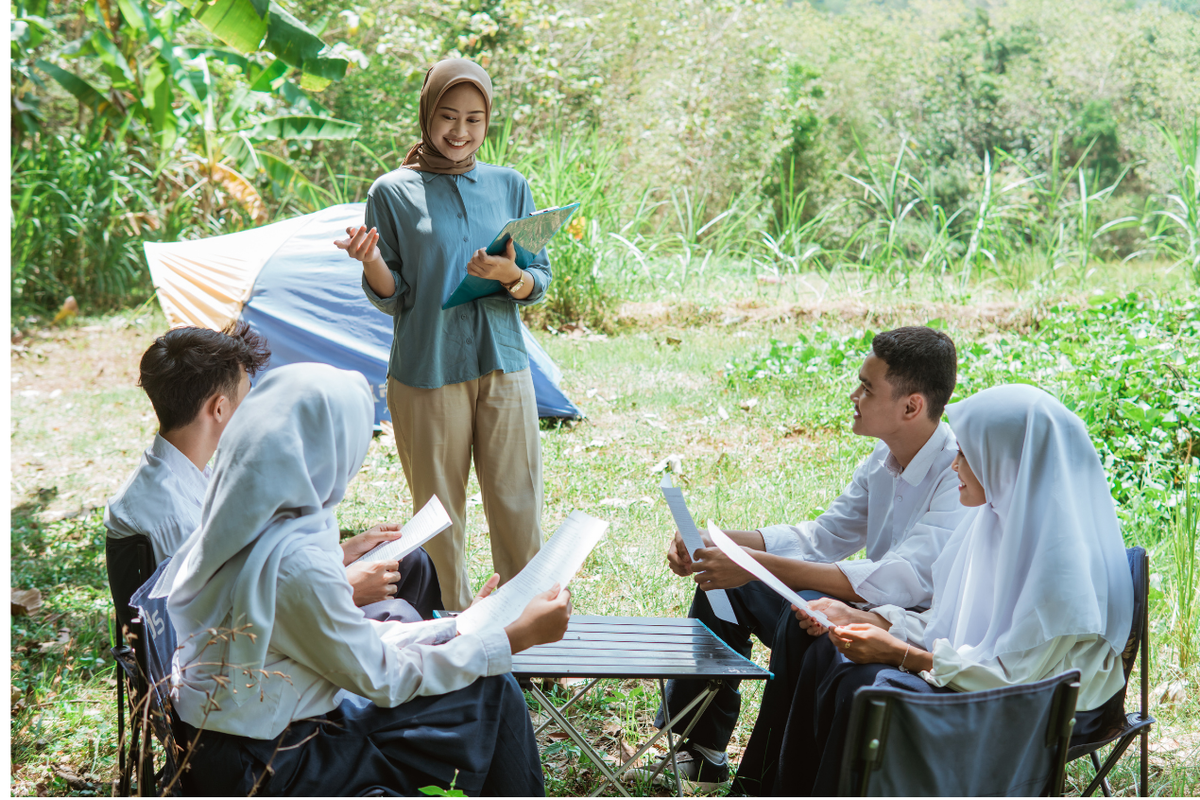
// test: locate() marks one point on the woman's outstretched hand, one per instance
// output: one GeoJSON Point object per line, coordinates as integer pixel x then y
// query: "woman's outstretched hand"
{"type": "Point", "coordinates": [543, 621]}
{"type": "Point", "coordinates": [360, 244]}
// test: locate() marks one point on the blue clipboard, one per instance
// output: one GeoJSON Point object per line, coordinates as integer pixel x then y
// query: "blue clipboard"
{"type": "Point", "coordinates": [529, 235]}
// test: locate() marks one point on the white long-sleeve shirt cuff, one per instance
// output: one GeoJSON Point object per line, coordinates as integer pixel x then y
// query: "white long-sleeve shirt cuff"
{"type": "Point", "coordinates": [782, 540]}
{"type": "Point", "coordinates": [498, 650]}
{"type": "Point", "coordinates": [898, 618]}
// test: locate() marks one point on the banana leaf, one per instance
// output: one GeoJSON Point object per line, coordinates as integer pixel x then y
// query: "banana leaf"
{"type": "Point", "coordinates": [303, 126]}
{"type": "Point", "coordinates": [241, 24]}
{"type": "Point", "coordinates": [82, 91]}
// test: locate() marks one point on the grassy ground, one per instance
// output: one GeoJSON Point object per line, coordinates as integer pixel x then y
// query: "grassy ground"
{"type": "Point", "coordinates": [656, 386]}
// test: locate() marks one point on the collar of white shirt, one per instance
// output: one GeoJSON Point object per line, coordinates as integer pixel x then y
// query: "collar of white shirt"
{"type": "Point", "coordinates": [918, 468]}
{"type": "Point", "coordinates": [195, 480]}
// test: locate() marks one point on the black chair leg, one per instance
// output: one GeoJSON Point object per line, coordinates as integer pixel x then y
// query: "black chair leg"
{"type": "Point", "coordinates": [1104, 784]}
{"type": "Point", "coordinates": [1101, 779]}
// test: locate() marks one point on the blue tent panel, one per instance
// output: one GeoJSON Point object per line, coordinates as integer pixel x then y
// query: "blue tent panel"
{"type": "Point", "coordinates": [309, 303]}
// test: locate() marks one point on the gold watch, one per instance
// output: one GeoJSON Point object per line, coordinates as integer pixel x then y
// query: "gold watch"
{"type": "Point", "coordinates": [516, 285]}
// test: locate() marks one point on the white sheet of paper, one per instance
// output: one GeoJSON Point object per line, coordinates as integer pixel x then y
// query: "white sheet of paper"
{"type": "Point", "coordinates": [557, 562]}
{"type": "Point", "coordinates": [428, 523]}
{"type": "Point", "coordinates": [691, 537]}
{"type": "Point", "coordinates": [747, 562]}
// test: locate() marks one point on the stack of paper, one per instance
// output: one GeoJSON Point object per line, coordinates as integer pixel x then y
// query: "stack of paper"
{"type": "Point", "coordinates": [691, 538]}
{"type": "Point", "coordinates": [428, 523]}
{"type": "Point", "coordinates": [557, 562]}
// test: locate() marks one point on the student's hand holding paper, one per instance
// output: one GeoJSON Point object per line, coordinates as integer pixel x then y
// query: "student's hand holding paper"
{"type": "Point", "coordinates": [864, 643]}
{"type": "Point", "coordinates": [373, 581]}
{"type": "Point", "coordinates": [356, 546]}
{"type": "Point", "coordinates": [838, 613]}
{"type": "Point", "coordinates": [501, 268]}
{"type": "Point", "coordinates": [678, 558]}
{"type": "Point", "coordinates": [543, 621]}
{"type": "Point", "coordinates": [714, 570]}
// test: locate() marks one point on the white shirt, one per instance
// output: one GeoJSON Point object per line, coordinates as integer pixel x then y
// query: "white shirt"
{"type": "Point", "coordinates": [901, 516]}
{"type": "Point", "coordinates": [1101, 673]}
{"type": "Point", "coordinates": [161, 499]}
{"type": "Point", "coordinates": [322, 648]}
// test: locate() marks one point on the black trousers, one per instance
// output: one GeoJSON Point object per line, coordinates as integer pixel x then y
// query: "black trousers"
{"type": "Point", "coordinates": [418, 593]}
{"type": "Point", "coordinates": [760, 612]}
{"type": "Point", "coordinates": [478, 737]}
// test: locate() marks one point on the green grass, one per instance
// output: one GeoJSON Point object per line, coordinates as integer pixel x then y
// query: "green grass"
{"type": "Point", "coordinates": [655, 387]}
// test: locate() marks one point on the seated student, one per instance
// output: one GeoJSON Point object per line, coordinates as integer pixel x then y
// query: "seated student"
{"type": "Point", "coordinates": [1033, 582]}
{"type": "Point", "coordinates": [195, 379]}
{"type": "Point", "coordinates": [900, 507]}
{"type": "Point", "coordinates": [273, 710]}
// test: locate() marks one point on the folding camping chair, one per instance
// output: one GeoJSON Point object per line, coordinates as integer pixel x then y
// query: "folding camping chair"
{"type": "Point", "coordinates": [908, 743]}
{"type": "Point", "coordinates": [130, 563]}
{"type": "Point", "coordinates": [1117, 726]}
{"type": "Point", "coordinates": [146, 667]}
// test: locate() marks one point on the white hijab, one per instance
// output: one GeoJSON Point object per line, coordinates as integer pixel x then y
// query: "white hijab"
{"type": "Point", "coordinates": [281, 468]}
{"type": "Point", "coordinates": [1043, 557]}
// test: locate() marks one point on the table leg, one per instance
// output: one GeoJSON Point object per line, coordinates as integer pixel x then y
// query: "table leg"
{"type": "Point", "coordinates": [708, 696]}
{"type": "Point", "coordinates": [578, 739]}
{"type": "Point", "coordinates": [702, 700]}
{"type": "Point", "coordinates": [672, 748]}
{"type": "Point", "coordinates": [568, 704]}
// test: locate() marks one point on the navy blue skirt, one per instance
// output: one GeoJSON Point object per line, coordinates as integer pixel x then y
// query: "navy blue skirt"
{"type": "Point", "coordinates": [479, 738]}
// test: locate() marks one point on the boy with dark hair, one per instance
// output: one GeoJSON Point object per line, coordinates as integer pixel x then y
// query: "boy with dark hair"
{"type": "Point", "coordinates": [195, 379]}
{"type": "Point", "coordinates": [900, 507]}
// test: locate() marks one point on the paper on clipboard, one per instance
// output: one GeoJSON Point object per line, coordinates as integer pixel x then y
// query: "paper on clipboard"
{"type": "Point", "coordinates": [529, 235]}
{"type": "Point", "coordinates": [747, 562]}
{"type": "Point", "coordinates": [691, 538]}
{"type": "Point", "coordinates": [428, 523]}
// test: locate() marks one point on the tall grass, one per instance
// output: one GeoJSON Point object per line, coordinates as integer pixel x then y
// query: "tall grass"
{"type": "Point", "coordinates": [1177, 226]}
{"type": "Point", "coordinates": [79, 204]}
{"type": "Point", "coordinates": [1185, 535]}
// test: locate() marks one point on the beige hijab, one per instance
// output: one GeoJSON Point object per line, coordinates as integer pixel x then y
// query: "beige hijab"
{"type": "Point", "coordinates": [440, 78]}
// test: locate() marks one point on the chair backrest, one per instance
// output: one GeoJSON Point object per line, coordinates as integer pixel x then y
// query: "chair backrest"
{"type": "Point", "coordinates": [159, 650]}
{"type": "Point", "coordinates": [130, 563]}
{"type": "Point", "coordinates": [1010, 741]}
{"type": "Point", "coordinates": [1139, 568]}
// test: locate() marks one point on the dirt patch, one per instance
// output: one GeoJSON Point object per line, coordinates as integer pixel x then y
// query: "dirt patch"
{"type": "Point", "coordinates": [91, 357]}
{"type": "Point", "coordinates": [852, 311]}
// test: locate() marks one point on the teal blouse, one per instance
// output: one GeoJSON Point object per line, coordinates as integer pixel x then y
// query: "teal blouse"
{"type": "Point", "coordinates": [429, 226]}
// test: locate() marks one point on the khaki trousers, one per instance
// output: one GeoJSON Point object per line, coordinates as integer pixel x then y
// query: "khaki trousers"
{"type": "Point", "coordinates": [494, 419]}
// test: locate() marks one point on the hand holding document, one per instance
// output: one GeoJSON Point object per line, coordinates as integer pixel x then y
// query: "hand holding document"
{"type": "Point", "coordinates": [691, 537]}
{"type": "Point", "coordinates": [557, 562]}
{"type": "Point", "coordinates": [747, 562]}
{"type": "Point", "coordinates": [429, 522]}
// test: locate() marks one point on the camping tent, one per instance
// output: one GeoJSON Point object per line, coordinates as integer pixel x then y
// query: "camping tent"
{"type": "Point", "coordinates": [305, 296]}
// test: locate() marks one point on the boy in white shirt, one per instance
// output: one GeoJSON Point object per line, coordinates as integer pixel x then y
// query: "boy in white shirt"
{"type": "Point", "coordinates": [900, 508]}
{"type": "Point", "coordinates": [195, 379]}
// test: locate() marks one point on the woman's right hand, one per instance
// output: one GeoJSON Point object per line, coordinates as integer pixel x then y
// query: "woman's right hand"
{"type": "Point", "coordinates": [360, 244]}
{"type": "Point", "coordinates": [543, 621]}
{"type": "Point", "coordinates": [838, 612]}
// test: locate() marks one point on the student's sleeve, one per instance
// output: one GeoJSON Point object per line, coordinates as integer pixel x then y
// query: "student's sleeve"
{"type": "Point", "coordinates": [1101, 672]}
{"type": "Point", "coordinates": [381, 215]}
{"type": "Point", "coordinates": [317, 625]}
{"type": "Point", "coordinates": [837, 533]}
{"type": "Point", "coordinates": [904, 575]}
{"type": "Point", "coordinates": [907, 626]}
{"type": "Point", "coordinates": [539, 268]}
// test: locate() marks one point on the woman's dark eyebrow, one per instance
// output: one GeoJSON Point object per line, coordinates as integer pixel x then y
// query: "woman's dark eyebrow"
{"type": "Point", "coordinates": [455, 110]}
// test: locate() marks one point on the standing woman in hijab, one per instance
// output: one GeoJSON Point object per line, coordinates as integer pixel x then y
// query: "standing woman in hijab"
{"type": "Point", "coordinates": [1032, 583]}
{"type": "Point", "coordinates": [458, 380]}
{"type": "Point", "coordinates": [282, 686]}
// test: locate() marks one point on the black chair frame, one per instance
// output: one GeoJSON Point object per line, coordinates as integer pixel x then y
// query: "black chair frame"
{"type": "Point", "coordinates": [1123, 728]}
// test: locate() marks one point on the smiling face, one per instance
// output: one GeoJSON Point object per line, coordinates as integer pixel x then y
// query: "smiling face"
{"type": "Point", "coordinates": [459, 122]}
{"type": "Point", "coordinates": [878, 411]}
{"type": "Point", "coordinates": [970, 490]}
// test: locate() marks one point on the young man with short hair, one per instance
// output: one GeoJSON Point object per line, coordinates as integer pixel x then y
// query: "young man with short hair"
{"type": "Point", "coordinates": [195, 379]}
{"type": "Point", "coordinates": [900, 508]}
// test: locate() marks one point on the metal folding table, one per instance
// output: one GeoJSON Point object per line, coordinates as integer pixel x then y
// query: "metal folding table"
{"type": "Point", "coordinates": [647, 648]}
